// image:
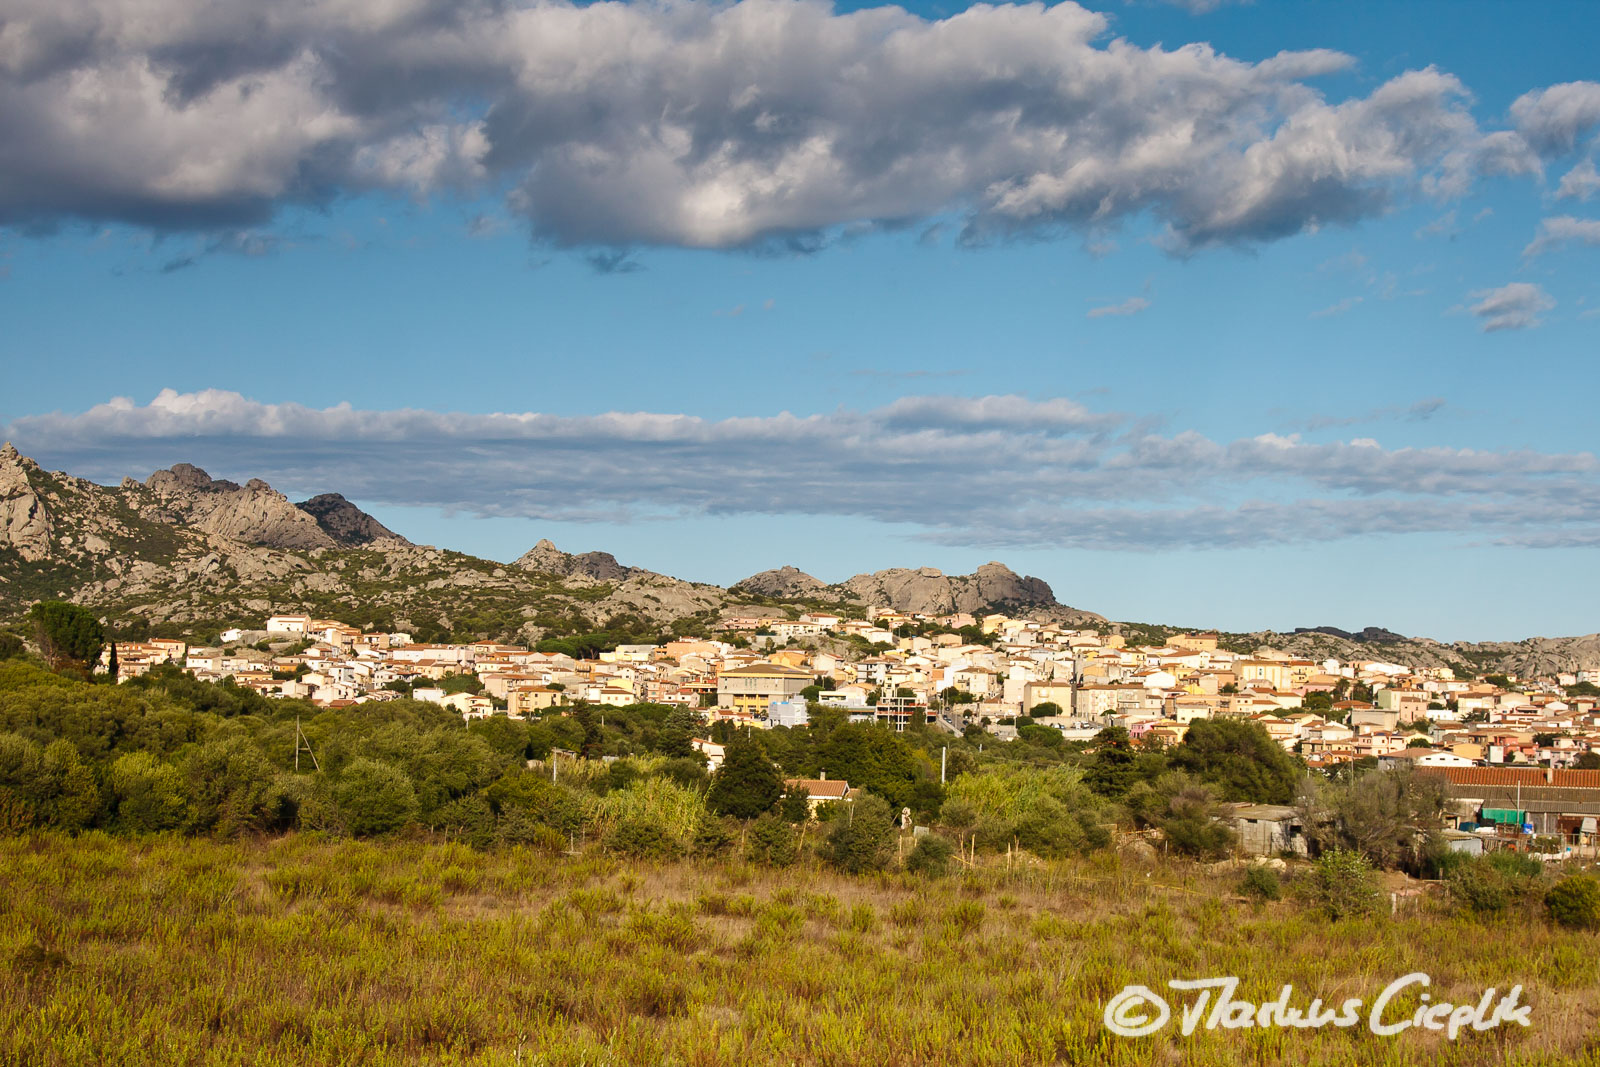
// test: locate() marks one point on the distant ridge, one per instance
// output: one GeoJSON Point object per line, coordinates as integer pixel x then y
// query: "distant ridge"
{"type": "Point", "coordinates": [192, 553]}
{"type": "Point", "coordinates": [1371, 634]}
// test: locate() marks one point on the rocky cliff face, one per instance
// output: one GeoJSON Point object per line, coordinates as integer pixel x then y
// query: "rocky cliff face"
{"type": "Point", "coordinates": [254, 513]}
{"type": "Point", "coordinates": [784, 582]}
{"type": "Point", "coordinates": [344, 522]}
{"type": "Point", "coordinates": [1532, 657]}
{"type": "Point", "coordinates": [993, 587]}
{"type": "Point", "coordinates": [546, 558]}
{"type": "Point", "coordinates": [25, 525]}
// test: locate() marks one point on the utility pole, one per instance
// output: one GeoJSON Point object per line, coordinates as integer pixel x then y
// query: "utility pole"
{"type": "Point", "coordinates": [943, 752]}
{"type": "Point", "coordinates": [301, 741]}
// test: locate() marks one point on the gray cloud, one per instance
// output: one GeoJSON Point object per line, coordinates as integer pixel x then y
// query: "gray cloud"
{"type": "Point", "coordinates": [1516, 306]}
{"type": "Point", "coordinates": [1035, 472]}
{"type": "Point", "coordinates": [761, 123]}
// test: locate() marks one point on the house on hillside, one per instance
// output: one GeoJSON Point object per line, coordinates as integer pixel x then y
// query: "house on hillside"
{"type": "Point", "coordinates": [819, 791]}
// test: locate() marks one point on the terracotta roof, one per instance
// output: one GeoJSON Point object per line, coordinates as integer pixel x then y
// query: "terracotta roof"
{"type": "Point", "coordinates": [1528, 776]}
{"type": "Point", "coordinates": [820, 788]}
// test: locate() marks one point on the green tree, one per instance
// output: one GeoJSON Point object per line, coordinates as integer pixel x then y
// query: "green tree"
{"type": "Point", "coordinates": [1045, 708]}
{"type": "Point", "coordinates": [593, 744]}
{"type": "Point", "coordinates": [1240, 759]}
{"type": "Point", "coordinates": [68, 635]}
{"type": "Point", "coordinates": [1187, 812]}
{"type": "Point", "coordinates": [374, 797]}
{"type": "Point", "coordinates": [1380, 815]}
{"type": "Point", "coordinates": [75, 800]}
{"type": "Point", "coordinates": [795, 808]}
{"type": "Point", "coordinates": [23, 787]}
{"type": "Point", "coordinates": [677, 732]}
{"type": "Point", "coordinates": [534, 798]}
{"type": "Point", "coordinates": [746, 784]}
{"type": "Point", "coordinates": [871, 758]}
{"type": "Point", "coordinates": [1110, 770]}
{"type": "Point", "coordinates": [1588, 761]}
{"type": "Point", "coordinates": [461, 683]}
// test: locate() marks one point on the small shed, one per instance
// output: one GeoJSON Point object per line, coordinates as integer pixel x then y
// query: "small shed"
{"type": "Point", "coordinates": [1268, 829]}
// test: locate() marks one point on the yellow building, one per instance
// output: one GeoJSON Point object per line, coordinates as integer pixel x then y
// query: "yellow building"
{"type": "Point", "coordinates": [750, 689]}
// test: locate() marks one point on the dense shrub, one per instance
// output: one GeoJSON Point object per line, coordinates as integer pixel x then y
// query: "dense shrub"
{"type": "Point", "coordinates": [374, 797]}
{"type": "Point", "coordinates": [771, 842]}
{"type": "Point", "coordinates": [232, 788]}
{"type": "Point", "coordinates": [1261, 881]}
{"type": "Point", "coordinates": [149, 794]}
{"type": "Point", "coordinates": [642, 837]}
{"type": "Point", "coordinates": [931, 856]}
{"type": "Point", "coordinates": [1575, 902]}
{"type": "Point", "coordinates": [1344, 884]}
{"type": "Point", "coordinates": [713, 836]}
{"type": "Point", "coordinates": [862, 839]}
{"type": "Point", "coordinates": [1479, 887]}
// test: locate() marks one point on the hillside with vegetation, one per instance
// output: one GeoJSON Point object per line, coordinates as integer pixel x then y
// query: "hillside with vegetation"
{"type": "Point", "coordinates": [267, 881]}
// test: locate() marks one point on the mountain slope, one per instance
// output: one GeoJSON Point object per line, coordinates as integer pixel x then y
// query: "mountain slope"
{"type": "Point", "coordinates": [782, 583]}
{"type": "Point", "coordinates": [347, 524]}
{"type": "Point", "coordinates": [182, 552]}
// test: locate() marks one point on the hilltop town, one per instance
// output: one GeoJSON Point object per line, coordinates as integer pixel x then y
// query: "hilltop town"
{"type": "Point", "coordinates": [995, 673]}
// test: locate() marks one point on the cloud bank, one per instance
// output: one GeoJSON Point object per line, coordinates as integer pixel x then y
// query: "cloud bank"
{"type": "Point", "coordinates": [716, 125]}
{"type": "Point", "coordinates": [990, 471]}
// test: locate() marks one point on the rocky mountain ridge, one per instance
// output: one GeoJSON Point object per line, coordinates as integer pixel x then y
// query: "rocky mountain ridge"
{"type": "Point", "coordinates": [182, 551]}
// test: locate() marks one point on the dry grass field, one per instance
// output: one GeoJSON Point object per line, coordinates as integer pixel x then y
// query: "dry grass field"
{"type": "Point", "coordinates": [297, 950]}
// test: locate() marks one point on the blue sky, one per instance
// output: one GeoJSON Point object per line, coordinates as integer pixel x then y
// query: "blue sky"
{"type": "Point", "coordinates": [1279, 340]}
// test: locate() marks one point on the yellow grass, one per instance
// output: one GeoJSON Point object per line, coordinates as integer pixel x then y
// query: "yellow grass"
{"type": "Point", "coordinates": [303, 951]}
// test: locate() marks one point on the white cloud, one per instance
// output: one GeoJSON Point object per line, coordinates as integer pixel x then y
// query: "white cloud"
{"type": "Point", "coordinates": [1516, 306]}
{"type": "Point", "coordinates": [1552, 120]}
{"type": "Point", "coordinates": [1039, 472]}
{"type": "Point", "coordinates": [1337, 309]}
{"type": "Point", "coordinates": [712, 124]}
{"type": "Point", "coordinates": [1557, 231]}
{"type": "Point", "coordinates": [1131, 306]}
{"type": "Point", "coordinates": [1579, 183]}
